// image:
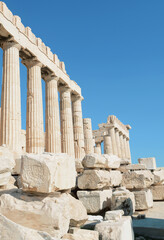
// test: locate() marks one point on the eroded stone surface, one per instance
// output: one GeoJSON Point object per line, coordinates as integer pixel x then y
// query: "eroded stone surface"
{"type": "Point", "coordinates": [158, 192]}
{"type": "Point", "coordinates": [85, 234]}
{"type": "Point", "coordinates": [114, 215]}
{"type": "Point", "coordinates": [138, 179]}
{"type": "Point", "coordinates": [143, 199]}
{"type": "Point", "coordinates": [47, 172]}
{"type": "Point", "coordinates": [123, 199]}
{"type": "Point", "coordinates": [95, 201]}
{"type": "Point", "coordinates": [120, 230]}
{"type": "Point", "coordinates": [150, 163]}
{"type": "Point", "coordinates": [158, 177]}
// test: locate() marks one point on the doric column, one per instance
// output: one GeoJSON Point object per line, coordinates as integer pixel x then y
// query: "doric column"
{"type": "Point", "coordinates": [67, 138]}
{"type": "Point", "coordinates": [53, 138]}
{"type": "Point", "coordinates": [10, 97]}
{"type": "Point", "coordinates": [34, 115]}
{"type": "Point", "coordinates": [108, 149]}
{"type": "Point", "coordinates": [113, 140]}
{"type": "Point", "coordinates": [122, 146]}
{"type": "Point", "coordinates": [118, 143]}
{"type": "Point", "coordinates": [125, 147]}
{"type": "Point", "coordinates": [88, 137]}
{"type": "Point", "coordinates": [128, 149]}
{"type": "Point", "coordinates": [97, 148]}
{"type": "Point", "coordinates": [78, 127]}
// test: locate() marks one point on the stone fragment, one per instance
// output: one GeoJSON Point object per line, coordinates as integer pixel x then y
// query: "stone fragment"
{"type": "Point", "coordinates": [11, 230]}
{"type": "Point", "coordinates": [4, 178]}
{"type": "Point", "coordinates": [138, 179]}
{"type": "Point", "coordinates": [47, 172]}
{"type": "Point", "coordinates": [78, 213]}
{"type": "Point", "coordinates": [143, 199]}
{"type": "Point", "coordinates": [158, 192]}
{"type": "Point", "coordinates": [7, 162]}
{"type": "Point", "coordinates": [104, 161]}
{"type": "Point", "coordinates": [136, 167]}
{"type": "Point", "coordinates": [10, 184]}
{"type": "Point", "coordinates": [123, 199]}
{"type": "Point", "coordinates": [150, 163]}
{"type": "Point", "coordinates": [70, 236]}
{"type": "Point", "coordinates": [98, 179]}
{"type": "Point", "coordinates": [95, 201]}
{"type": "Point", "coordinates": [158, 177]}
{"type": "Point", "coordinates": [121, 230]}
{"type": "Point", "coordinates": [85, 234]}
{"type": "Point", "coordinates": [115, 215]}
{"type": "Point", "coordinates": [48, 214]}
{"type": "Point", "coordinates": [79, 166]}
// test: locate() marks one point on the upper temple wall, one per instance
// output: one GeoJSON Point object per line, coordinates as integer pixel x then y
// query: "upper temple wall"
{"type": "Point", "coordinates": [11, 26]}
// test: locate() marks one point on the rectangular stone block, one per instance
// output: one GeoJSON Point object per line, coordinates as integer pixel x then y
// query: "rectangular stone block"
{"type": "Point", "coordinates": [47, 172]}
{"type": "Point", "coordinates": [95, 201]}
{"type": "Point", "coordinates": [143, 199]}
{"type": "Point", "coordinates": [133, 167]}
{"type": "Point", "coordinates": [85, 234]}
{"type": "Point", "coordinates": [98, 179]}
{"type": "Point", "coordinates": [158, 177]}
{"type": "Point", "coordinates": [115, 215]}
{"type": "Point", "coordinates": [158, 192]}
{"type": "Point", "coordinates": [150, 163]}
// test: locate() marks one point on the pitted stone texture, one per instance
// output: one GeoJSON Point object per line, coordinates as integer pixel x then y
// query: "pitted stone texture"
{"type": "Point", "coordinates": [158, 177]}
{"type": "Point", "coordinates": [121, 230]}
{"type": "Point", "coordinates": [98, 179]}
{"type": "Point", "coordinates": [123, 199]}
{"type": "Point", "coordinates": [85, 234]}
{"type": "Point", "coordinates": [11, 230]}
{"type": "Point", "coordinates": [79, 166]}
{"type": "Point", "coordinates": [115, 215]}
{"type": "Point", "coordinates": [7, 162]}
{"type": "Point", "coordinates": [135, 167]}
{"type": "Point", "coordinates": [143, 199]}
{"type": "Point", "coordinates": [47, 172]}
{"type": "Point", "coordinates": [138, 179]}
{"type": "Point", "coordinates": [52, 214]}
{"type": "Point", "coordinates": [101, 161]}
{"type": "Point", "coordinates": [150, 163]}
{"type": "Point", "coordinates": [95, 201]}
{"type": "Point", "coordinates": [158, 192]}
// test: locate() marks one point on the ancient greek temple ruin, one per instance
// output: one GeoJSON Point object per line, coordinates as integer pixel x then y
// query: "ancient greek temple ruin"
{"type": "Point", "coordinates": [64, 128]}
{"type": "Point", "coordinates": [115, 136]}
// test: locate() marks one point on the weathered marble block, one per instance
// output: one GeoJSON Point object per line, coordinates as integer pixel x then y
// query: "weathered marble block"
{"type": "Point", "coordinates": [47, 172]}
{"type": "Point", "coordinates": [158, 176]}
{"type": "Point", "coordinates": [85, 234]}
{"type": "Point", "coordinates": [104, 161]}
{"type": "Point", "coordinates": [123, 199]}
{"type": "Point", "coordinates": [115, 215]}
{"type": "Point", "coordinates": [133, 167]}
{"type": "Point", "coordinates": [95, 201]}
{"type": "Point", "coordinates": [143, 199]}
{"type": "Point", "coordinates": [98, 179]}
{"type": "Point", "coordinates": [121, 230]}
{"type": "Point", "coordinates": [137, 179]}
{"type": "Point", "coordinates": [150, 163]}
{"type": "Point", "coordinates": [52, 214]}
{"type": "Point", "coordinates": [7, 162]}
{"type": "Point", "coordinates": [158, 192]}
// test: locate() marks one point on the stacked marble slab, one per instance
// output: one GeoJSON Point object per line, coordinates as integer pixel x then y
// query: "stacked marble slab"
{"type": "Point", "coordinates": [96, 182]}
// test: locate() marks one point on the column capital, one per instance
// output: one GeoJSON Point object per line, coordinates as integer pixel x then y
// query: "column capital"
{"type": "Point", "coordinates": [76, 97]}
{"type": "Point", "coordinates": [64, 88]}
{"type": "Point", "coordinates": [31, 62]}
{"type": "Point", "coordinates": [50, 77]}
{"type": "Point", "coordinates": [8, 44]}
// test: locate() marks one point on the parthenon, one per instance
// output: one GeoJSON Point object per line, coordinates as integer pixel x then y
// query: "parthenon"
{"type": "Point", "coordinates": [17, 42]}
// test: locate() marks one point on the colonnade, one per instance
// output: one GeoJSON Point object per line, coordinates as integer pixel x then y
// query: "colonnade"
{"type": "Point", "coordinates": [64, 128]}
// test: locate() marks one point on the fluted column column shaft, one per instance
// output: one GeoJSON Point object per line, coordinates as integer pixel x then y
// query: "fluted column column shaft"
{"type": "Point", "coordinates": [108, 149]}
{"type": "Point", "coordinates": [97, 148]}
{"type": "Point", "coordinates": [113, 140]}
{"type": "Point", "coordinates": [67, 138]}
{"type": "Point", "coordinates": [78, 127]}
{"type": "Point", "coordinates": [118, 143]}
{"type": "Point", "coordinates": [128, 149]}
{"type": "Point", "coordinates": [88, 137]}
{"type": "Point", "coordinates": [34, 116]}
{"type": "Point", "coordinates": [53, 138]}
{"type": "Point", "coordinates": [10, 97]}
{"type": "Point", "coordinates": [125, 147]}
{"type": "Point", "coordinates": [122, 146]}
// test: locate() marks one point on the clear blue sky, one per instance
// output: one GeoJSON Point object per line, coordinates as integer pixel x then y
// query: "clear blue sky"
{"type": "Point", "coordinates": [115, 51]}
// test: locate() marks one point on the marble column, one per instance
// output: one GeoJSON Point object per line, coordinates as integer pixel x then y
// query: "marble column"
{"type": "Point", "coordinates": [10, 97]}
{"type": "Point", "coordinates": [53, 137]}
{"type": "Point", "coordinates": [108, 149]}
{"type": "Point", "coordinates": [88, 137]}
{"type": "Point", "coordinates": [67, 138]}
{"type": "Point", "coordinates": [113, 140]}
{"type": "Point", "coordinates": [97, 148]}
{"type": "Point", "coordinates": [118, 143]}
{"type": "Point", "coordinates": [78, 127]}
{"type": "Point", "coordinates": [128, 149]}
{"type": "Point", "coordinates": [122, 146]}
{"type": "Point", "coordinates": [34, 115]}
